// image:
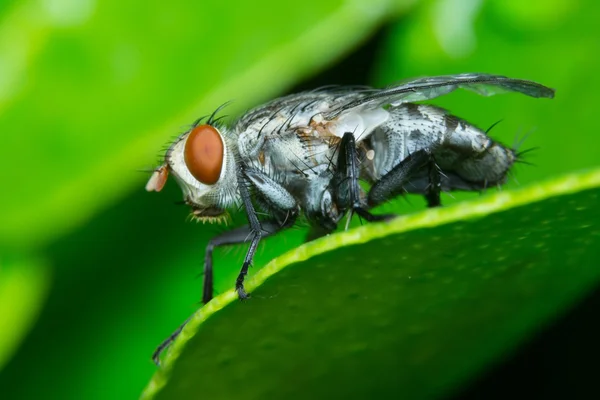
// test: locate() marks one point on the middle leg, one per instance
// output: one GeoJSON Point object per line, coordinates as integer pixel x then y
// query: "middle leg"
{"type": "Point", "coordinates": [347, 189]}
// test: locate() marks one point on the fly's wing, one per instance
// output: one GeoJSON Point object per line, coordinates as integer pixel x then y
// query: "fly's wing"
{"type": "Point", "coordinates": [431, 87]}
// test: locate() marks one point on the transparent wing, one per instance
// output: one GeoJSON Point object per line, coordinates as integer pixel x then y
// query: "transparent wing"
{"type": "Point", "coordinates": [431, 87]}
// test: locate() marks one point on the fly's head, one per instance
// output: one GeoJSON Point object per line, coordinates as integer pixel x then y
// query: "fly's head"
{"type": "Point", "coordinates": [203, 163]}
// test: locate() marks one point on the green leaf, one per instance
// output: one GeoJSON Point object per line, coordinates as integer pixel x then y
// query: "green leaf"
{"type": "Point", "coordinates": [410, 308]}
{"type": "Point", "coordinates": [23, 288]}
{"type": "Point", "coordinates": [90, 91]}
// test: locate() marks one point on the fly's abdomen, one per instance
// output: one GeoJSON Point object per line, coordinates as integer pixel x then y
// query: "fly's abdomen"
{"type": "Point", "coordinates": [410, 128]}
{"type": "Point", "coordinates": [463, 152]}
{"type": "Point", "coordinates": [487, 168]}
{"type": "Point", "coordinates": [472, 157]}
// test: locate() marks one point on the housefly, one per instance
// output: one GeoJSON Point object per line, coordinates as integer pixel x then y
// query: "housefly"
{"type": "Point", "coordinates": [303, 155]}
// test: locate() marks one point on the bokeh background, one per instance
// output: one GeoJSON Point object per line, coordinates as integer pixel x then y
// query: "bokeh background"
{"type": "Point", "coordinates": [95, 272]}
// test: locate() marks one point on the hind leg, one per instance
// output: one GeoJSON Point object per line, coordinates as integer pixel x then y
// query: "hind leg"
{"type": "Point", "coordinates": [434, 188]}
{"type": "Point", "coordinates": [393, 183]}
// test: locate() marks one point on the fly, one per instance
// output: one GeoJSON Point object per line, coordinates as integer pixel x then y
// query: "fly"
{"type": "Point", "coordinates": [303, 155]}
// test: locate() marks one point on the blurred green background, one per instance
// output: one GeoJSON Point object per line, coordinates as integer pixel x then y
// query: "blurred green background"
{"type": "Point", "coordinates": [95, 272]}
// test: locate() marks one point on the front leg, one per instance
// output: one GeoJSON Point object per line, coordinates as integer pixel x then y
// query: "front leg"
{"type": "Point", "coordinates": [278, 201]}
{"type": "Point", "coordinates": [235, 236]}
{"type": "Point", "coordinates": [285, 211]}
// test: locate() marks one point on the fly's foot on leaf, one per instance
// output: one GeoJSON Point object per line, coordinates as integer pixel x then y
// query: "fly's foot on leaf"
{"type": "Point", "coordinates": [156, 356]}
{"type": "Point", "coordinates": [373, 217]}
{"type": "Point", "coordinates": [386, 217]}
{"type": "Point", "coordinates": [242, 294]}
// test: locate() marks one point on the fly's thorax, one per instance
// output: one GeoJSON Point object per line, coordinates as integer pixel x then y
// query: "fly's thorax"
{"type": "Point", "coordinates": [203, 163]}
{"type": "Point", "coordinates": [289, 156]}
{"type": "Point", "coordinates": [272, 122]}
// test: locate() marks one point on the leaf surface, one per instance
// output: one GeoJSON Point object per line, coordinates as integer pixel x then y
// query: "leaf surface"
{"type": "Point", "coordinates": [411, 308]}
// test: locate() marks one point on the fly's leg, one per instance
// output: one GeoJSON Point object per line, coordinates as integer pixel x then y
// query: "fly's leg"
{"type": "Point", "coordinates": [346, 178]}
{"type": "Point", "coordinates": [254, 234]}
{"type": "Point", "coordinates": [276, 198]}
{"type": "Point", "coordinates": [392, 184]}
{"type": "Point", "coordinates": [284, 210]}
{"type": "Point", "coordinates": [432, 194]}
{"type": "Point", "coordinates": [235, 236]}
{"type": "Point", "coordinates": [161, 347]}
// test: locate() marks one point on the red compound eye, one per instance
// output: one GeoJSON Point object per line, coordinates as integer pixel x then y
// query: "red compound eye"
{"type": "Point", "coordinates": [204, 154]}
